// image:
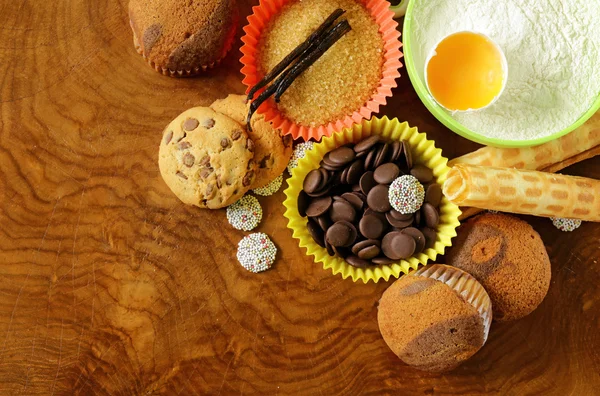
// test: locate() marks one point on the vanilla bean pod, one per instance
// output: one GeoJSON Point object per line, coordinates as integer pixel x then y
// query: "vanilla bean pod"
{"type": "Point", "coordinates": [298, 52]}
{"type": "Point", "coordinates": [328, 40]}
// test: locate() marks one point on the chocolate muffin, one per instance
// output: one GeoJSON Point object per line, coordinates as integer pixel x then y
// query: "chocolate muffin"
{"type": "Point", "coordinates": [435, 318]}
{"type": "Point", "coordinates": [182, 38]}
{"type": "Point", "coordinates": [508, 257]}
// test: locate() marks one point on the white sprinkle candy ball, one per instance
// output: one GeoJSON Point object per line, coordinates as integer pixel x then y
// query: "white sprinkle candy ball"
{"type": "Point", "coordinates": [299, 153]}
{"type": "Point", "coordinates": [256, 252]}
{"type": "Point", "coordinates": [566, 225]}
{"type": "Point", "coordinates": [270, 188]}
{"type": "Point", "coordinates": [245, 214]}
{"type": "Point", "coordinates": [406, 194]}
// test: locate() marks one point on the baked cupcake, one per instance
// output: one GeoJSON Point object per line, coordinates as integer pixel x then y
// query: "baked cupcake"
{"type": "Point", "coordinates": [272, 151]}
{"type": "Point", "coordinates": [508, 257]}
{"type": "Point", "coordinates": [347, 83]}
{"type": "Point", "coordinates": [435, 318]}
{"type": "Point", "coordinates": [182, 38]}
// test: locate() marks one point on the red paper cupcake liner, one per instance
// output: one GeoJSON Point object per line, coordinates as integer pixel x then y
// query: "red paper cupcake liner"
{"type": "Point", "coordinates": [380, 10]}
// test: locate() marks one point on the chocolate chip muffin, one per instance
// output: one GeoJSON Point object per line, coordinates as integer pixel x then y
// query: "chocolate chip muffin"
{"type": "Point", "coordinates": [272, 151]}
{"type": "Point", "coordinates": [508, 257]}
{"type": "Point", "coordinates": [182, 38]}
{"type": "Point", "coordinates": [206, 158]}
{"type": "Point", "coordinates": [435, 318]}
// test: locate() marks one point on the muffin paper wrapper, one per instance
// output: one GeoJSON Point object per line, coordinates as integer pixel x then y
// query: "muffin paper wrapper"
{"type": "Point", "coordinates": [380, 10]}
{"type": "Point", "coordinates": [423, 151]}
{"type": "Point", "coordinates": [467, 287]}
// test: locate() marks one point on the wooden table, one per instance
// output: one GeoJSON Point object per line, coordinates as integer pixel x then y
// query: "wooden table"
{"type": "Point", "coordinates": [109, 285]}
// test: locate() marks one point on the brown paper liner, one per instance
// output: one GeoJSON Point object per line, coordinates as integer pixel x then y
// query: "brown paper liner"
{"type": "Point", "coordinates": [465, 285]}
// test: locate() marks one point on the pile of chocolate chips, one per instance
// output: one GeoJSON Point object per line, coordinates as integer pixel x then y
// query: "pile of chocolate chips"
{"type": "Point", "coordinates": [348, 209]}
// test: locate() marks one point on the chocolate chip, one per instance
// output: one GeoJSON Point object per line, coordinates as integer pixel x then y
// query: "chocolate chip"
{"type": "Point", "coordinates": [341, 156]}
{"type": "Point", "coordinates": [367, 182]}
{"type": "Point", "coordinates": [205, 161]}
{"type": "Point", "coordinates": [319, 206]}
{"type": "Point", "coordinates": [342, 211]}
{"type": "Point", "coordinates": [417, 217]}
{"type": "Point", "coordinates": [386, 173]}
{"type": "Point", "coordinates": [266, 162]}
{"type": "Point", "coordinates": [344, 176]}
{"type": "Point", "coordinates": [287, 140]}
{"type": "Point", "coordinates": [312, 181]}
{"type": "Point", "coordinates": [329, 248]}
{"type": "Point", "coordinates": [370, 158]}
{"type": "Point", "coordinates": [211, 191]}
{"type": "Point", "coordinates": [151, 36]}
{"type": "Point", "coordinates": [382, 155]}
{"type": "Point", "coordinates": [433, 195]}
{"type": "Point", "coordinates": [396, 245]}
{"type": "Point", "coordinates": [432, 217]}
{"type": "Point", "coordinates": [422, 173]}
{"type": "Point", "coordinates": [324, 222]}
{"type": "Point", "coordinates": [371, 226]}
{"type": "Point", "coordinates": [364, 244]}
{"type": "Point", "coordinates": [248, 178]}
{"type": "Point", "coordinates": [303, 202]}
{"type": "Point", "coordinates": [401, 216]}
{"type": "Point", "coordinates": [366, 144]}
{"type": "Point", "coordinates": [190, 124]}
{"type": "Point", "coordinates": [316, 232]}
{"type": "Point", "coordinates": [236, 135]}
{"type": "Point", "coordinates": [168, 137]}
{"type": "Point", "coordinates": [184, 145]}
{"type": "Point", "coordinates": [250, 145]}
{"type": "Point", "coordinates": [369, 252]}
{"type": "Point", "coordinates": [330, 167]}
{"type": "Point", "coordinates": [356, 187]}
{"type": "Point", "coordinates": [341, 251]}
{"type": "Point", "coordinates": [406, 157]}
{"type": "Point", "coordinates": [355, 171]}
{"type": "Point", "coordinates": [396, 151]}
{"type": "Point", "coordinates": [188, 160]}
{"type": "Point", "coordinates": [204, 173]}
{"type": "Point", "coordinates": [325, 179]}
{"type": "Point", "coordinates": [208, 123]}
{"type": "Point", "coordinates": [341, 234]}
{"type": "Point", "coordinates": [398, 223]}
{"type": "Point", "coordinates": [219, 183]}
{"type": "Point", "coordinates": [417, 236]}
{"type": "Point", "coordinates": [430, 236]}
{"type": "Point", "coordinates": [382, 261]}
{"type": "Point", "coordinates": [357, 262]}
{"type": "Point", "coordinates": [378, 200]}
{"type": "Point", "coordinates": [180, 174]}
{"type": "Point", "coordinates": [354, 200]}
{"type": "Point", "coordinates": [320, 193]}
{"type": "Point", "coordinates": [225, 143]}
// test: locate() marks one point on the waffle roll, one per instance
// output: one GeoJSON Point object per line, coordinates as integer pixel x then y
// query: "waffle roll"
{"type": "Point", "coordinates": [522, 191]}
{"type": "Point", "coordinates": [582, 139]}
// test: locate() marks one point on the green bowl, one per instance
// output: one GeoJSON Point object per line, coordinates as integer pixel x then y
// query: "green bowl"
{"type": "Point", "coordinates": [445, 118]}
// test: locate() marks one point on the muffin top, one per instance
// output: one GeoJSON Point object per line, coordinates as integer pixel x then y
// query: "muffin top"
{"type": "Point", "coordinates": [428, 325]}
{"type": "Point", "coordinates": [183, 35]}
{"type": "Point", "coordinates": [508, 257]}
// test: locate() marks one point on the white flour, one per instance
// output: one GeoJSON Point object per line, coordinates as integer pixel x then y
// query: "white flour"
{"type": "Point", "coordinates": [553, 54]}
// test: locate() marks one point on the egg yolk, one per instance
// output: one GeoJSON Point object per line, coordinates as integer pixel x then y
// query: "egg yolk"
{"type": "Point", "coordinates": [466, 72]}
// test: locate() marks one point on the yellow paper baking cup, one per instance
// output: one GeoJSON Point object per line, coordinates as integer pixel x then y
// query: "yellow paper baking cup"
{"type": "Point", "coordinates": [423, 152]}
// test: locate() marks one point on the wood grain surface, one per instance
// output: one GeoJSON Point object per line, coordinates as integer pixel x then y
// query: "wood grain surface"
{"type": "Point", "coordinates": [110, 286]}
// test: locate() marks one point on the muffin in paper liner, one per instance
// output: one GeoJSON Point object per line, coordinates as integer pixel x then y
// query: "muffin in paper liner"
{"type": "Point", "coordinates": [465, 285]}
{"type": "Point", "coordinates": [197, 70]}
{"type": "Point", "coordinates": [423, 152]}
{"type": "Point", "coordinates": [380, 11]}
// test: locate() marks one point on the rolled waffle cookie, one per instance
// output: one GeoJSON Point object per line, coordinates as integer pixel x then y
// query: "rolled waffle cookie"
{"type": "Point", "coordinates": [582, 139]}
{"type": "Point", "coordinates": [527, 192]}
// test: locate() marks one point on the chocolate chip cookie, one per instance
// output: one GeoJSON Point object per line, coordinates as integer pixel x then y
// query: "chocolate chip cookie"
{"type": "Point", "coordinates": [272, 150]}
{"type": "Point", "coordinates": [206, 158]}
